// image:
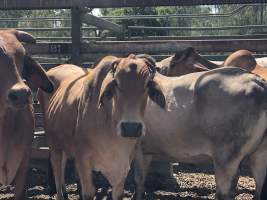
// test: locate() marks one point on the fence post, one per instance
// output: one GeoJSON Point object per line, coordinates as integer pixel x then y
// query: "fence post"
{"type": "Point", "coordinates": [76, 35]}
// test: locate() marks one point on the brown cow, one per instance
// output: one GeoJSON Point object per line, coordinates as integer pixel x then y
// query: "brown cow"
{"type": "Point", "coordinates": [188, 61]}
{"type": "Point", "coordinates": [184, 62]}
{"type": "Point", "coordinates": [96, 117]}
{"type": "Point", "coordinates": [16, 113]}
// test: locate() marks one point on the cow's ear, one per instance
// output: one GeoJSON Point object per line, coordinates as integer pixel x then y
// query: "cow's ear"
{"type": "Point", "coordinates": [35, 75]}
{"type": "Point", "coordinates": [155, 93]}
{"type": "Point", "coordinates": [182, 55]}
{"type": "Point", "coordinates": [107, 93]}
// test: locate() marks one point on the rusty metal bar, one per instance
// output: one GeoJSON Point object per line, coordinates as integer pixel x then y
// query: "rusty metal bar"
{"type": "Point", "coordinates": [151, 47]}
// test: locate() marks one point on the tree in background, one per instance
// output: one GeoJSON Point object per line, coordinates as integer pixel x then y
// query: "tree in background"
{"type": "Point", "coordinates": [255, 15]}
{"type": "Point", "coordinates": [42, 23]}
{"type": "Point", "coordinates": [162, 22]}
{"type": "Point", "coordinates": [248, 16]}
{"type": "Point", "coordinates": [135, 22]}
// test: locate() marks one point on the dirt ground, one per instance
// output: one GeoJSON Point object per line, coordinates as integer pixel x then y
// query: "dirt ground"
{"type": "Point", "coordinates": [190, 183]}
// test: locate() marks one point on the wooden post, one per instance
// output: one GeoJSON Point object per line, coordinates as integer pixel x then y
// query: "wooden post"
{"type": "Point", "coordinates": [76, 35]}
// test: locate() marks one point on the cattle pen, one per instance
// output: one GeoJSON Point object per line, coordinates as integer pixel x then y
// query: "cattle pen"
{"type": "Point", "coordinates": [88, 37]}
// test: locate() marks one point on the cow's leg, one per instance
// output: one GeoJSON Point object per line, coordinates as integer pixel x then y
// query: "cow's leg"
{"type": "Point", "coordinates": [264, 189]}
{"type": "Point", "coordinates": [116, 175]}
{"type": "Point", "coordinates": [56, 160]}
{"type": "Point", "coordinates": [50, 177]}
{"type": "Point", "coordinates": [118, 190]}
{"type": "Point", "coordinates": [226, 179]}
{"type": "Point", "coordinates": [84, 169]}
{"type": "Point", "coordinates": [63, 167]}
{"type": "Point", "coordinates": [258, 166]}
{"type": "Point", "coordinates": [21, 177]}
{"type": "Point", "coordinates": [141, 165]}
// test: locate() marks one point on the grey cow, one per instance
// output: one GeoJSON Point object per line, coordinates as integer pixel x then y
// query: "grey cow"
{"type": "Point", "coordinates": [217, 116]}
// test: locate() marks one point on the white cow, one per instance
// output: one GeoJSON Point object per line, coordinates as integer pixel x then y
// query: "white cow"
{"type": "Point", "coordinates": [217, 116]}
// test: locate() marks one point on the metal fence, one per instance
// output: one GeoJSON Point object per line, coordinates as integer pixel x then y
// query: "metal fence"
{"type": "Point", "coordinates": [81, 38]}
{"type": "Point", "coordinates": [53, 48]}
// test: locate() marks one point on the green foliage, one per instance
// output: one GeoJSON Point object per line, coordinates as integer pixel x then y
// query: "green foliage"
{"type": "Point", "coordinates": [163, 22]}
{"type": "Point", "coordinates": [248, 16]}
{"type": "Point", "coordinates": [42, 23]}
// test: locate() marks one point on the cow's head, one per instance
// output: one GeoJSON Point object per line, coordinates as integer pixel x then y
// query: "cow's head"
{"type": "Point", "coordinates": [183, 62]}
{"type": "Point", "coordinates": [129, 85]}
{"type": "Point", "coordinates": [17, 69]}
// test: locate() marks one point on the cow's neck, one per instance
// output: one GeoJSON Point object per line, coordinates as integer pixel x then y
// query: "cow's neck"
{"type": "Point", "coordinates": [206, 63]}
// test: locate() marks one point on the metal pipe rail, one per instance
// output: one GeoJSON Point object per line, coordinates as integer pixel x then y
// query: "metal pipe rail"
{"type": "Point", "coordinates": [195, 28]}
{"type": "Point", "coordinates": [35, 19]}
{"type": "Point", "coordinates": [204, 15]}
{"type": "Point", "coordinates": [131, 17]}
{"type": "Point", "coordinates": [203, 37]}
{"type": "Point", "coordinates": [52, 29]}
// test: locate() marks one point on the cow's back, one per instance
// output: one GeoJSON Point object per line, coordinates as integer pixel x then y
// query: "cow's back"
{"type": "Point", "coordinates": [63, 72]}
{"type": "Point", "coordinates": [262, 61]}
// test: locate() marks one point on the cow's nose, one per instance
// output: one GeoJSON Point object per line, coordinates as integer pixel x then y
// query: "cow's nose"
{"type": "Point", "coordinates": [131, 129]}
{"type": "Point", "coordinates": [19, 96]}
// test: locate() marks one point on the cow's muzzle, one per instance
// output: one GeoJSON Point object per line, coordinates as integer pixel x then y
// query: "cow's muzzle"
{"type": "Point", "coordinates": [19, 97]}
{"type": "Point", "coordinates": [131, 129]}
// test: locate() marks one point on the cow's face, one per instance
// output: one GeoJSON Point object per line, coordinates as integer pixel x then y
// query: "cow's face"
{"type": "Point", "coordinates": [129, 88]}
{"type": "Point", "coordinates": [14, 91]}
{"type": "Point", "coordinates": [183, 62]}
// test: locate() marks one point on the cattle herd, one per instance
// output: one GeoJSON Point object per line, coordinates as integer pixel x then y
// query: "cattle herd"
{"type": "Point", "coordinates": [124, 110]}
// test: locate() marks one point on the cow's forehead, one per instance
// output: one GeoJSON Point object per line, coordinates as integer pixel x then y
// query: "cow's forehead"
{"type": "Point", "coordinates": [132, 73]}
